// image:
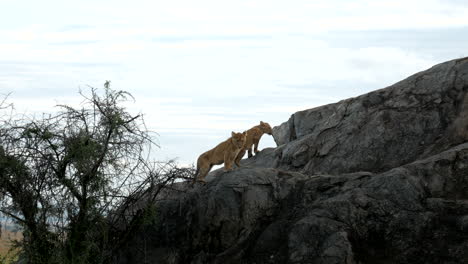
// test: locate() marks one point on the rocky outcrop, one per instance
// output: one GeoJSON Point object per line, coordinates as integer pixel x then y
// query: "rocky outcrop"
{"type": "Point", "coordinates": [380, 178]}
{"type": "Point", "coordinates": [419, 116]}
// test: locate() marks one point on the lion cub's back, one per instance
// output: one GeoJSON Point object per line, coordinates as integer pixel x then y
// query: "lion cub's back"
{"type": "Point", "coordinates": [216, 154]}
{"type": "Point", "coordinates": [252, 134]}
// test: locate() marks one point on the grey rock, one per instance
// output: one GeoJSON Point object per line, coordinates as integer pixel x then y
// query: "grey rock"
{"type": "Point", "coordinates": [380, 178]}
{"type": "Point", "coordinates": [261, 215]}
{"type": "Point", "coordinates": [414, 118]}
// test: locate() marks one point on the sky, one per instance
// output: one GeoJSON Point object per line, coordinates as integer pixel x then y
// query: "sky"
{"type": "Point", "coordinates": [201, 69]}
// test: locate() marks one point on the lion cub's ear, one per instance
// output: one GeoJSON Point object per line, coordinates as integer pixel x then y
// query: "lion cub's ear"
{"type": "Point", "coordinates": [261, 123]}
{"type": "Point", "coordinates": [232, 133]}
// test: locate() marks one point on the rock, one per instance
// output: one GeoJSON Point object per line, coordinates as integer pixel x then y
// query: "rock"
{"type": "Point", "coordinates": [382, 129]}
{"type": "Point", "coordinates": [380, 178]}
{"type": "Point", "coordinates": [259, 215]}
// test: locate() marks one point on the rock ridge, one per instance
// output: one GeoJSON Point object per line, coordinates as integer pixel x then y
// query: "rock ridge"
{"type": "Point", "coordinates": [379, 178]}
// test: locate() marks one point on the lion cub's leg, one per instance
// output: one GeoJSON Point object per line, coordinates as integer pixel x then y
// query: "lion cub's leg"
{"type": "Point", "coordinates": [202, 173]}
{"type": "Point", "coordinates": [249, 154]}
{"type": "Point", "coordinates": [228, 161]}
{"type": "Point", "coordinates": [256, 145]}
{"type": "Point", "coordinates": [239, 157]}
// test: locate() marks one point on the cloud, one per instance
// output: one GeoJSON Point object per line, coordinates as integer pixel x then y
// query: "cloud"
{"type": "Point", "coordinates": [433, 42]}
{"type": "Point", "coordinates": [77, 42]}
{"type": "Point", "coordinates": [230, 38]}
{"type": "Point", "coordinates": [76, 27]}
{"type": "Point", "coordinates": [200, 69]}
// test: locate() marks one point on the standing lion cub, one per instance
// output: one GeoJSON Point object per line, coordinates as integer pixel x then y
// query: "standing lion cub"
{"type": "Point", "coordinates": [253, 138]}
{"type": "Point", "coordinates": [224, 152]}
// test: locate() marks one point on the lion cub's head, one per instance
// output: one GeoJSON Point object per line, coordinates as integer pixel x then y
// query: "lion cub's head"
{"type": "Point", "coordinates": [238, 139]}
{"type": "Point", "coordinates": [265, 127]}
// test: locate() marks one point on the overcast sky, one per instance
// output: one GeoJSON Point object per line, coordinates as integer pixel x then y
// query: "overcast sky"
{"type": "Point", "coordinates": [201, 69]}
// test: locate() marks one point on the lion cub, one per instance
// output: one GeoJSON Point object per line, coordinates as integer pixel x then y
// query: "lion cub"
{"type": "Point", "coordinates": [224, 152]}
{"type": "Point", "coordinates": [253, 137]}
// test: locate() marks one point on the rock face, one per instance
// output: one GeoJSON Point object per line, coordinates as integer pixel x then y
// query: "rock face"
{"type": "Point", "coordinates": [375, 132]}
{"type": "Point", "coordinates": [380, 178]}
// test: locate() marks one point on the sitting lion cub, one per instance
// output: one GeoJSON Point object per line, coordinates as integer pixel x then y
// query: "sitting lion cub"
{"type": "Point", "coordinates": [253, 137]}
{"type": "Point", "coordinates": [224, 152]}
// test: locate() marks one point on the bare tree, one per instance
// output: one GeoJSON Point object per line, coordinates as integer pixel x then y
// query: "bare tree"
{"type": "Point", "coordinates": [67, 178]}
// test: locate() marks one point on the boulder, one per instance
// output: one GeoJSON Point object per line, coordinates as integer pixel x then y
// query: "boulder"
{"type": "Point", "coordinates": [419, 116]}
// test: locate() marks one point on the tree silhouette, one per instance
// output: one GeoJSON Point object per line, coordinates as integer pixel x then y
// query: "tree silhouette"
{"type": "Point", "coordinates": [70, 178]}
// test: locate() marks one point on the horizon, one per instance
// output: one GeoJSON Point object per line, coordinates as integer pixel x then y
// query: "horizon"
{"type": "Point", "coordinates": [201, 70]}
